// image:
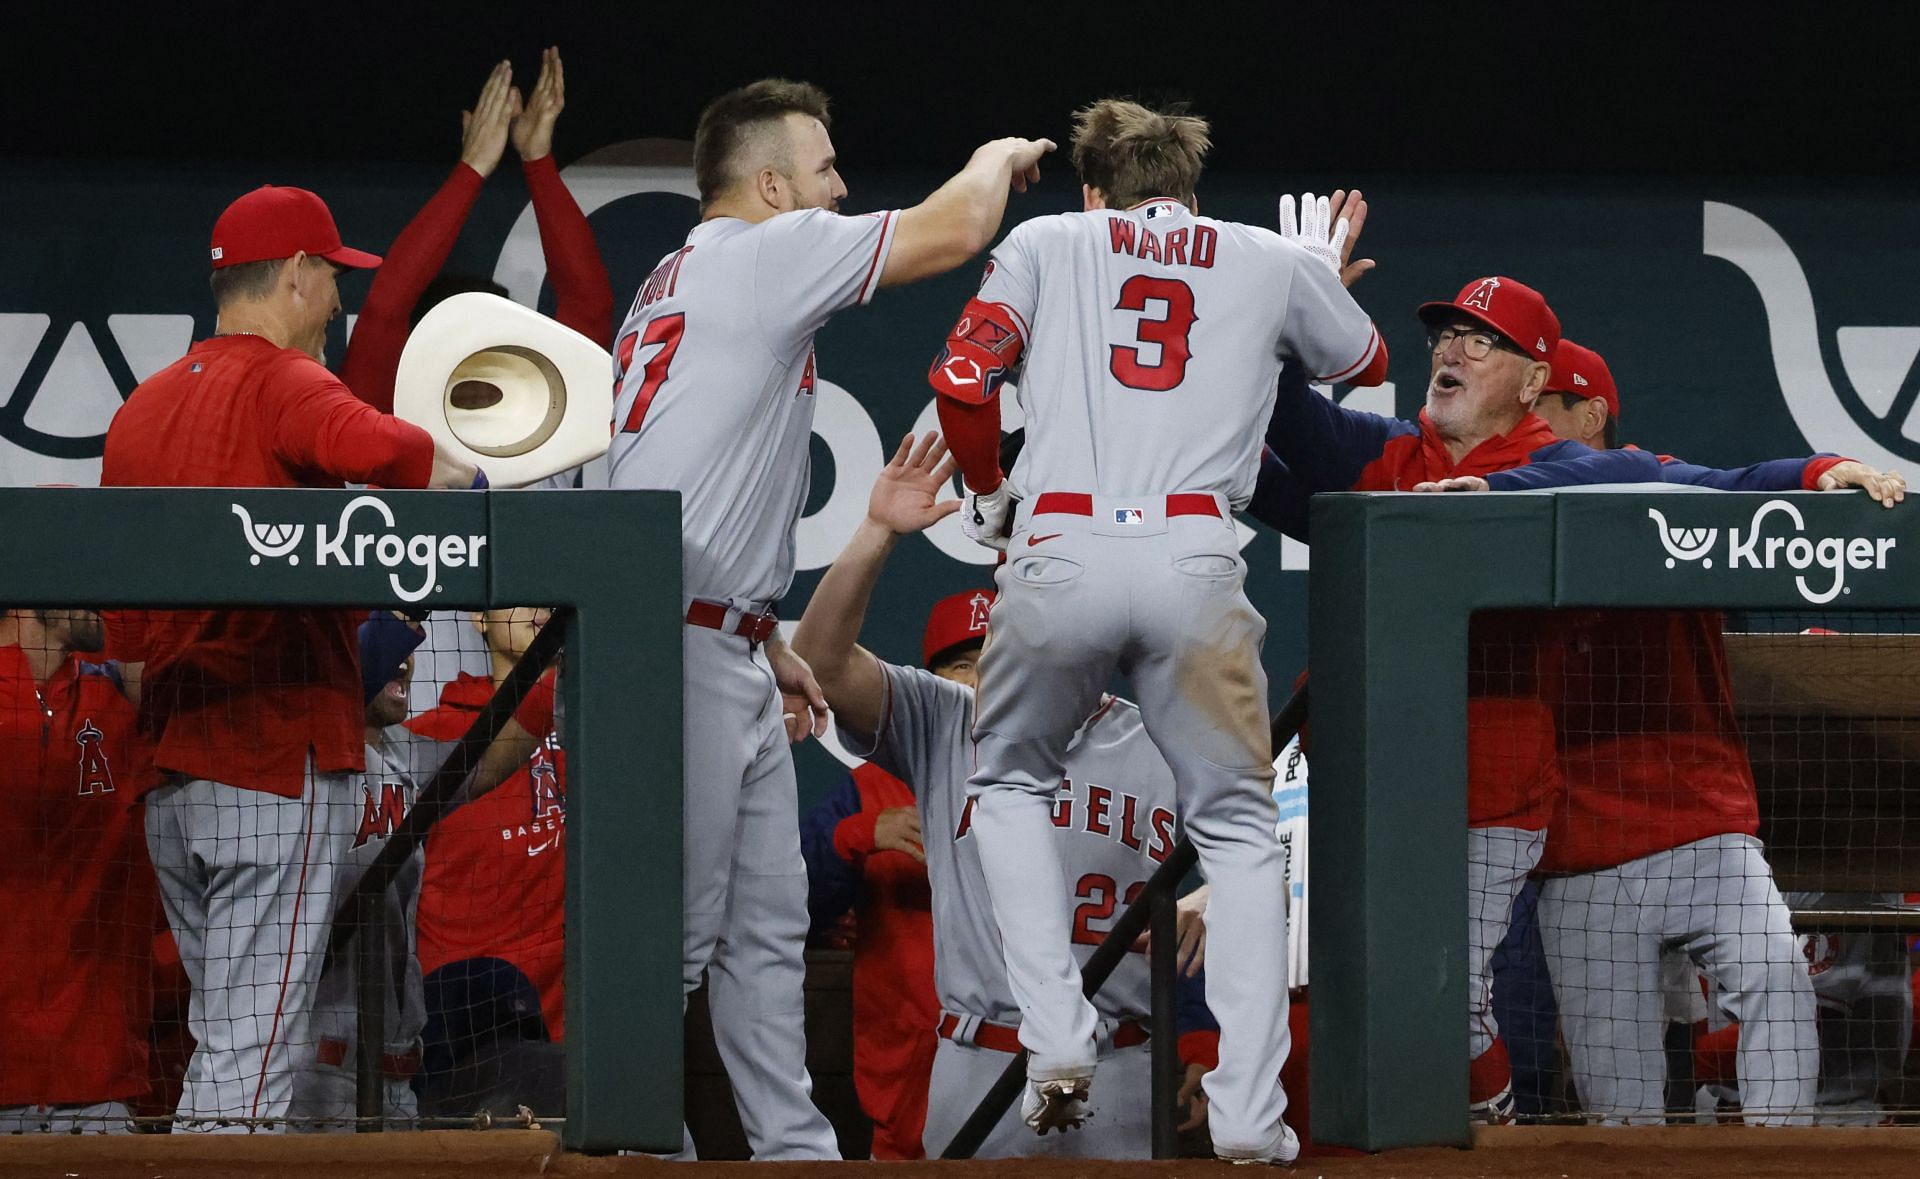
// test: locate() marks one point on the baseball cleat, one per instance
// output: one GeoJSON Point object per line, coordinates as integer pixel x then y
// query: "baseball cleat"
{"type": "Point", "coordinates": [1284, 1151]}
{"type": "Point", "coordinates": [1056, 1105]}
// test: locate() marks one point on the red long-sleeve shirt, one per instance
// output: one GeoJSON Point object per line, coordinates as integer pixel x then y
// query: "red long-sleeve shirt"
{"type": "Point", "coordinates": [77, 992]}
{"type": "Point", "coordinates": [583, 293]}
{"type": "Point", "coordinates": [1649, 745]}
{"type": "Point", "coordinates": [242, 696]}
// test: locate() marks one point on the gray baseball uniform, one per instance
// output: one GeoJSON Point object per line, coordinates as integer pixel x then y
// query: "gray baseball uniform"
{"type": "Point", "coordinates": [715, 372]}
{"type": "Point", "coordinates": [1153, 340]}
{"type": "Point", "coordinates": [1114, 822]}
{"type": "Point", "coordinates": [324, 1090]}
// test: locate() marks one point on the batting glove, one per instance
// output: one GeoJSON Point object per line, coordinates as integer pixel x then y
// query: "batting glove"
{"type": "Point", "coordinates": [987, 519]}
{"type": "Point", "coordinates": [1315, 232]}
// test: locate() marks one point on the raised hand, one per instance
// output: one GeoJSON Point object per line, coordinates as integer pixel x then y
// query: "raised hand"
{"type": "Point", "coordinates": [483, 130]}
{"type": "Point", "coordinates": [533, 128]}
{"type": "Point", "coordinates": [1328, 228]}
{"type": "Point", "coordinates": [906, 496]}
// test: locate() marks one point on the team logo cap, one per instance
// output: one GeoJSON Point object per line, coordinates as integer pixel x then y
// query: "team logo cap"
{"type": "Point", "coordinates": [1581, 372]}
{"type": "Point", "coordinates": [955, 619]}
{"type": "Point", "coordinates": [1509, 307]}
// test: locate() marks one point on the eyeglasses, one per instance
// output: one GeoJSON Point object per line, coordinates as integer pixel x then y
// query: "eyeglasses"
{"type": "Point", "coordinates": [1477, 343]}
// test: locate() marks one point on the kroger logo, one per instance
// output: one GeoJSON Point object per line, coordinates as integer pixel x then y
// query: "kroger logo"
{"type": "Point", "coordinates": [1755, 549]}
{"type": "Point", "coordinates": [420, 554]}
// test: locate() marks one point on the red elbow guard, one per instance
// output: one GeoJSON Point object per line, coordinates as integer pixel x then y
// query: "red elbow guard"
{"type": "Point", "coordinates": [980, 352]}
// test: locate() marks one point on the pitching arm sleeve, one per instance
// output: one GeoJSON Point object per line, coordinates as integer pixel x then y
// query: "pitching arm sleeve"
{"type": "Point", "coordinates": [416, 256]}
{"type": "Point", "coordinates": [583, 295]}
{"type": "Point", "coordinates": [981, 351]}
{"type": "Point", "coordinates": [1772, 475]}
{"type": "Point", "coordinates": [1569, 464]}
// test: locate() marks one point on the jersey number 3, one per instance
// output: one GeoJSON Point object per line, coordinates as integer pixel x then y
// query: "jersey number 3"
{"type": "Point", "coordinates": [665, 332]}
{"type": "Point", "coordinates": [1169, 333]}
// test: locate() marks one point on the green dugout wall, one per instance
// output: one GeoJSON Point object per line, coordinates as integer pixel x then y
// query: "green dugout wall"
{"type": "Point", "coordinates": [613, 557]}
{"type": "Point", "coordinates": [1395, 580]}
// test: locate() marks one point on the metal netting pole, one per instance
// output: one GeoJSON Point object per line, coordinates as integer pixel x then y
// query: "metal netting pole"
{"type": "Point", "coordinates": [1163, 1044]}
{"type": "Point", "coordinates": [370, 1031]}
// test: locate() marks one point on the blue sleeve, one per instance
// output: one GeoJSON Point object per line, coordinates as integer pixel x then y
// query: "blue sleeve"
{"type": "Point", "coordinates": [1279, 498]}
{"type": "Point", "coordinates": [1772, 475]}
{"type": "Point", "coordinates": [1190, 1011]}
{"type": "Point", "coordinates": [1325, 445]}
{"type": "Point", "coordinates": [832, 884]}
{"type": "Point", "coordinates": [1569, 464]}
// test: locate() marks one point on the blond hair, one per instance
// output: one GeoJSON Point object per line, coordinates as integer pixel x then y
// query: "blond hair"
{"type": "Point", "coordinates": [1133, 153]}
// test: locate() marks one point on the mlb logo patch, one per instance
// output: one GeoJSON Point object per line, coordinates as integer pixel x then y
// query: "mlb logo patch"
{"type": "Point", "coordinates": [1128, 516]}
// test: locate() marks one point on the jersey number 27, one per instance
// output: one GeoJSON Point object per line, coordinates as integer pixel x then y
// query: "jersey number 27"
{"type": "Point", "coordinates": [664, 331]}
{"type": "Point", "coordinates": [1169, 333]}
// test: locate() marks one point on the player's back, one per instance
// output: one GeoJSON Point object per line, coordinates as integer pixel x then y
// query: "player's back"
{"type": "Point", "coordinates": [715, 384]}
{"type": "Point", "coordinates": [1154, 343]}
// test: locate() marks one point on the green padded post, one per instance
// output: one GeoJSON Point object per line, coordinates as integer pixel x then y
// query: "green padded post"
{"type": "Point", "coordinates": [1394, 582]}
{"type": "Point", "coordinates": [615, 556]}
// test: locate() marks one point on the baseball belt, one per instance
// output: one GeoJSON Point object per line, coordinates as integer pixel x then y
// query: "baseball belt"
{"type": "Point", "coordinates": [1002, 1037]}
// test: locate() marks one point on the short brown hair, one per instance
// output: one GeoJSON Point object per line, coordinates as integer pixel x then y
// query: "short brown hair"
{"type": "Point", "coordinates": [244, 281]}
{"type": "Point", "coordinates": [1133, 153]}
{"type": "Point", "coordinates": [730, 121]}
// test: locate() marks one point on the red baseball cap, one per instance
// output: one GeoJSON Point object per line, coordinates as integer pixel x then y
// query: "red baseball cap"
{"type": "Point", "coordinates": [1509, 307]}
{"type": "Point", "coordinates": [1581, 372]}
{"type": "Point", "coordinates": [272, 222]}
{"type": "Point", "coordinates": [955, 619]}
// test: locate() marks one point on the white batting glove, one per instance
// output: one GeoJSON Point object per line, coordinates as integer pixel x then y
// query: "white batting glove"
{"type": "Point", "coordinates": [988, 519]}
{"type": "Point", "coordinates": [1316, 232]}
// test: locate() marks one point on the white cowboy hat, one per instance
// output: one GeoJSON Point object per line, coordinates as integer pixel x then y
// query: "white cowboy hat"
{"type": "Point", "coordinates": [505, 388]}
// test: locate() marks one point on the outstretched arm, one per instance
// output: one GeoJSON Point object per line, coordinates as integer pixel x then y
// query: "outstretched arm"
{"type": "Point", "coordinates": [416, 256]}
{"type": "Point", "coordinates": [582, 292]}
{"type": "Point", "coordinates": [1569, 464]}
{"type": "Point", "coordinates": [905, 499]}
{"type": "Point", "coordinates": [1820, 472]}
{"type": "Point", "coordinates": [960, 218]}
{"type": "Point", "coordinates": [1325, 445]}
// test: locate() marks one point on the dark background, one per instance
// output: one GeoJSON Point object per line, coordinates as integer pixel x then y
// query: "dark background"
{"type": "Point", "coordinates": [1582, 88]}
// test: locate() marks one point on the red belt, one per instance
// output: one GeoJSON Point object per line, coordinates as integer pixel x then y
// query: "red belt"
{"type": "Point", "coordinates": [398, 1066]}
{"type": "Point", "coordinates": [755, 628]}
{"type": "Point", "coordinates": [1074, 503]}
{"type": "Point", "coordinates": [1001, 1038]}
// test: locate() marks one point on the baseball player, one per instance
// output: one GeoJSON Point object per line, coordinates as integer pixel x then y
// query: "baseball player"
{"type": "Point", "coordinates": [324, 1090]}
{"type": "Point", "coordinates": [263, 722]}
{"type": "Point", "coordinates": [1111, 821]}
{"type": "Point", "coordinates": [1655, 839]}
{"type": "Point", "coordinates": [715, 371]}
{"type": "Point", "coordinates": [77, 994]}
{"type": "Point", "coordinates": [1152, 338]}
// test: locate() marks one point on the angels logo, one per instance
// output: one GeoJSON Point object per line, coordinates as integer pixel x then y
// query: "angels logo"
{"type": "Point", "coordinates": [806, 378]}
{"type": "Point", "coordinates": [549, 799]}
{"type": "Point", "coordinates": [379, 816]}
{"type": "Point", "coordinates": [96, 776]}
{"type": "Point", "coordinates": [1482, 295]}
{"type": "Point", "coordinates": [977, 607]}
{"type": "Point", "coordinates": [1873, 414]}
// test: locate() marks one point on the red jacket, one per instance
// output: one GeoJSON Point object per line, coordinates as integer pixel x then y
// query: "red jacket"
{"type": "Point", "coordinates": [895, 1009]}
{"type": "Point", "coordinates": [1651, 752]}
{"type": "Point", "coordinates": [242, 696]}
{"type": "Point", "coordinates": [496, 869]}
{"type": "Point", "coordinates": [76, 994]}
{"type": "Point", "coordinates": [1512, 778]}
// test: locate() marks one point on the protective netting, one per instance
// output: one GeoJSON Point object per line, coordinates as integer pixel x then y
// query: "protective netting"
{"type": "Point", "coordinates": [1716, 918]}
{"type": "Point", "coordinates": [210, 845]}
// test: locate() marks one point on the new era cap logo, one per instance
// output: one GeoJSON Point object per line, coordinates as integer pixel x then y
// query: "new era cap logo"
{"type": "Point", "coordinates": [1579, 380]}
{"type": "Point", "coordinates": [1540, 344]}
{"type": "Point", "coordinates": [218, 253]}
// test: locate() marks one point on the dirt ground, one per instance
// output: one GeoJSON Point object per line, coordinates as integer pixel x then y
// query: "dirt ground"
{"type": "Point", "coordinates": [1535, 1153]}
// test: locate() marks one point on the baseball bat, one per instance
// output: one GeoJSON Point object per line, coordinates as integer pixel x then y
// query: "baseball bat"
{"type": "Point", "coordinates": [1111, 951]}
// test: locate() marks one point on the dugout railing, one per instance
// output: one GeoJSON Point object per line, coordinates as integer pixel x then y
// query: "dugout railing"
{"type": "Point", "coordinates": [1395, 581]}
{"type": "Point", "coordinates": [613, 559]}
